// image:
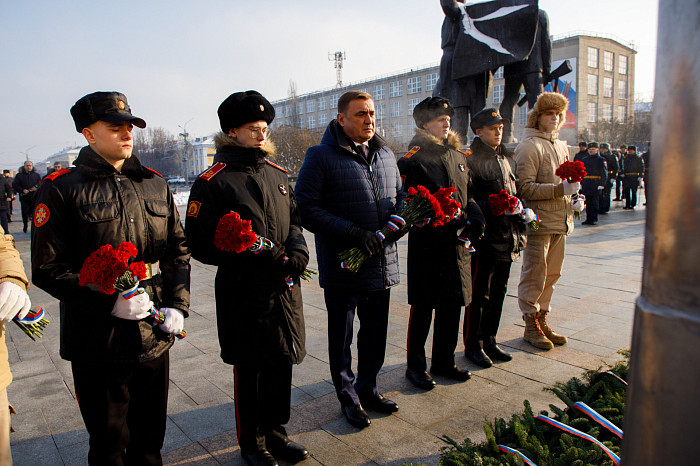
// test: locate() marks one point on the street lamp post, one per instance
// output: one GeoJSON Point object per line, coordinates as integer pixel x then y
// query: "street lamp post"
{"type": "Point", "coordinates": [184, 135]}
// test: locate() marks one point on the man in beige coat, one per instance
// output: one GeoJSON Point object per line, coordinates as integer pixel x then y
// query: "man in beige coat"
{"type": "Point", "coordinates": [13, 301]}
{"type": "Point", "coordinates": [537, 157]}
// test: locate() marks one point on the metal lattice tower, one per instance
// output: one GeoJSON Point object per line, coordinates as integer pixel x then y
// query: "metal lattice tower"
{"type": "Point", "coordinates": [338, 58]}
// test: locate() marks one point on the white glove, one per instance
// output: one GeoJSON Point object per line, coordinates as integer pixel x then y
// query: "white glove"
{"type": "Point", "coordinates": [137, 307]}
{"type": "Point", "coordinates": [174, 320]}
{"type": "Point", "coordinates": [517, 210]}
{"type": "Point", "coordinates": [14, 301]}
{"type": "Point", "coordinates": [528, 215]}
{"type": "Point", "coordinates": [578, 205]}
{"type": "Point", "coordinates": [600, 188]}
{"type": "Point", "coordinates": [570, 188]}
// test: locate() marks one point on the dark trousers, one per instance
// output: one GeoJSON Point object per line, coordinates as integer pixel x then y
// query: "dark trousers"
{"type": "Point", "coordinates": [124, 407]}
{"type": "Point", "coordinates": [27, 203]}
{"type": "Point", "coordinates": [445, 336]}
{"type": "Point", "coordinates": [262, 397]}
{"type": "Point", "coordinates": [373, 312]}
{"type": "Point", "coordinates": [604, 202]}
{"type": "Point", "coordinates": [4, 221]}
{"type": "Point", "coordinates": [592, 200]}
{"type": "Point", "coordinates": [629, 188]}
{"type": "Point", "coordinates": [618, 187]}
{"type": "Point", "coordinates": [489, 287]}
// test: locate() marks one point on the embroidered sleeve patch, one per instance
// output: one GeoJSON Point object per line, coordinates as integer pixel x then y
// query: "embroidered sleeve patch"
{"type": "Point", "coordinates": [41, 215]}
{"type": "Point", "coordinates": [193, 208]}
{"type": "Point", "coordinates": [411, 152]}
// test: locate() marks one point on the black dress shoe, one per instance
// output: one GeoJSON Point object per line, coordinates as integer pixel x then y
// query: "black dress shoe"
{"type": "Point", "coordinates": [454, 373]}
{"type": "Point", "coordinates": [378, 403]}
{"type": "Point", "coordinates": [356, 416]}
{"type": "Point", "coordinates": [421, 380]}
{"type": "Point", "coordinates": [282, 447]}
{"type": "Point", "coordinates": [587, 223]}
{"type": "Point", "coordinates": [259, 458]}
{"type": "Point", "coordinates": [478, 357]}
{"type": "Point", "coordinates": [497, 353]}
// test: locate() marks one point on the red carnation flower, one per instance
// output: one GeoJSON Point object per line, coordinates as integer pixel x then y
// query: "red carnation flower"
{"type": "Point", "coordinates": [233, 234]}
{"type": "Point", "coordinates": [572, 171]}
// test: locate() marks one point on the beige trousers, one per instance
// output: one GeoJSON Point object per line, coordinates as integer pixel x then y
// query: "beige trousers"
{"type": "Point", "coordinates": [5, 454]}
{"type": "Point", "coordinates": [543, 259]}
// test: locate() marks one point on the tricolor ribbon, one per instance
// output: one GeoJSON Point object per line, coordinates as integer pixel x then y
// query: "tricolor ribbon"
{"type": "Point", "coordinates": [515, 452]}
{"type": "Point", "coordinates": [423, 223]}
{"type": "Point", "coordinates": [578, 433]}
{"type": "Point", "coordinates": [159, 318]}
{"type": "Point", "coordinates": [33, 316]}
{"type": "Point", "coordinates": [597, 417]}
{"type": "Point", "coordinates": [128, 294]}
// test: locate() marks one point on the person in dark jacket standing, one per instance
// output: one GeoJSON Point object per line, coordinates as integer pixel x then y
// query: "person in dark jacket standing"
{"type": "Point", "coordinates": [26, 182]}
{"type": "Point", "coordinates": [613, 168]}
{"type": "Point", "coordinates": [259, 317]}
{"type": "Point", "coordinates": [582, 150]}
{"type": "Point", "coordinates": [491, 169]}
{"type": "Point", "coordinates": [119, 357]}
{"type": "Point", "coordinates": [438, 263]}
{"type": "Point", "coordinates": [5, 203]}
{"type": "Point", "coordinates": [620, 173]}
{"type": "Point", "coordinates": [347, 188]}
{"type": "Point", "coordinates": [594, 183]}
{"type": "Point", "coordinates": [633, 168]}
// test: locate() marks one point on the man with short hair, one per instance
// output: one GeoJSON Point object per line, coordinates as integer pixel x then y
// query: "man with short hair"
{"type": "Point", "coordinates": [347, 188]}
{"type": "Point", "coordinates": [118, 352]}
{"type": "Point", "coordinates": [633, 167]}
{"type": "Point", "coordinates": [582, 150]}
{"type": "Point", "coordinates": [613, 168]}
{"type": "Point", "coordinates": [537, 157]}
{"type": "Point", "coordinates": [26, 183]}
{"type": "Point", "coordinates": [620, 173]}
{"type": "Point", "coordinates": [594, 182]}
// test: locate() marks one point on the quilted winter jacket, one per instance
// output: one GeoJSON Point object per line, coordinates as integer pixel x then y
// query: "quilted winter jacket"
{"type": "Point", "coordinates": [337, 188]}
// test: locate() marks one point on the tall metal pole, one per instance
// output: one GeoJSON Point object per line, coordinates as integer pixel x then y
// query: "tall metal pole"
{"type": "Point", "coordinates": [662, 417]}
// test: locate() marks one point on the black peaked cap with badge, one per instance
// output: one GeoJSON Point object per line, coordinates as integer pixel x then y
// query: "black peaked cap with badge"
{"type": "Point", "coordinates": [486, 117]}
{"type": "Point", "coordinates": [111, 107]}
{"type": "Point", "coordinates": [431, 108]}
{"type": "Point", "coordinates": [244, 107]}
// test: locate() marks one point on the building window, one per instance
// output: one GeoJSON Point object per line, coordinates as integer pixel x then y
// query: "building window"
{"type": "Point", "coordinates": [395, 109]}
{"type": "Point", "coordinates": [380, 111]}
{"type": "Point", "coordinates": [430, 81]}
{"type": "Point", "coordinates": [607, 87]}
{"type": "Point", "coordinates": [287, 110]}
{"type": "Point", "coordinates": [606, 112]}
{"type": "Point", "coordinates": [396, 128]}
{"type": "Point", "coordinates": [414, 85]}
{"type": "Point", "coordinates": [592, 112]}
{"type": "Point", "coordinates": [522, 115]}
{"type": "Point", "coordinates": [322, 104]}
{"type": "Point", "coordinates": [378, 93]}
{"type": "Point", "coordinates": [411, 104]}
{"type": "Point", "coordinates": [310, 106]}
{"type": "Point", "coordinates": [300, 108]}
{"type": "Point", "coordinates": [301, 123]}
{"type": "Point", "coordinates": [499, 73]}
{"type": "Point", "coordinates": [334, 101]}
{"type": "Point", "coordinates": [622, 66]}
{"type": "Point", "coordinates": [608, 60]}
{"type": "Point", "coordinates": [498, 93]}
{"type": "Point", "coordinates": [312, 121]}
{"type": "Point", "coordinates": [322, 119]}
{"type": "Point", "coordinates": [593, 57]}
{"type": "Point", "coordinates": [365, 90]}
{"type": "Point", "coordinates": [622, 114]}
{"type": "Point", "coordinates": [592, 84]}
{"type": "Point", "coordinates": [622, 89]}
{"type": "Point", "coordinates": [396, 89]}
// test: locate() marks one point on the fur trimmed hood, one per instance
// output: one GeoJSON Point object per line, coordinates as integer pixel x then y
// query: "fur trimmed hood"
{"type": "Point", "coordinates": [453, 140]}
{"type": "Point", "coordinates": [547, 101]}
{"type": "Point", "coordinates": [222, 140]}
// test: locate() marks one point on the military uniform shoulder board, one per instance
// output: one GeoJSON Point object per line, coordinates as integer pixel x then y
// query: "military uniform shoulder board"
{"type": "Point", "coordinates": [411, 152]}
{"type": "Point", "coordinates": [466, 153]}
{"type": "Point", "coordinates": [209, 173]}
{"type": "Point", "coordinates": [56, 174]}
{"type": "Point", "coordinates": [276, 166]}
{"type": "Point", "coordinates": [153, 171]}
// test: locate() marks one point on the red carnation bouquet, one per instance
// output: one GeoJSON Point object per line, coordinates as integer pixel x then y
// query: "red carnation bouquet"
{"type": "Point", "coordinates": [109, 269]}
{"type": "Point", "coordinates": [421, 209]}
{"type": "Point", "coordinates": [573, 172]}
{"type": "Point", "coordinates": [502, 202]}
{"type": "Point", "coordinates": [233, 234]}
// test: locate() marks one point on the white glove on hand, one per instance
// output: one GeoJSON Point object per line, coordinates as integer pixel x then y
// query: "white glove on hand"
{"type": "Point", "coordinates": [14, 301]}
{"type": "Point", "coordinates": [578, 205]}
{"type": "Point", "coordinates": [135, 308]}
{"type": "Point", "coordinates": [571, 188]}
{"type": "Point", "coordinates": [528, 215]}
{"type": "Point", "coordinates": [517, 210]}
{"type": "Point", "coordinates": [600, 188]}
{"type": "Point", "coordinates": [174, 320]}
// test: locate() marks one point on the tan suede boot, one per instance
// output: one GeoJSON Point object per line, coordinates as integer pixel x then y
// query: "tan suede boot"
{"type": "Point", "coordinates": [533, 333]}
{"type": "Point", "coordinates": [548, 332]}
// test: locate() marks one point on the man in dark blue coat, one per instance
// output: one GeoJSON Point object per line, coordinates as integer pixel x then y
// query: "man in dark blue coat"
{"type": "Point", "coordinates": [592, 186]}
{"type": "Point", "coordinates": [347, 188]}
{"type": "Point", "coordinates": [613, 168]}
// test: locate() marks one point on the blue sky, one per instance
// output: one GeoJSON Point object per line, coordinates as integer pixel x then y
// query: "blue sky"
{"type": "Point", "coordinates": [177, 60]}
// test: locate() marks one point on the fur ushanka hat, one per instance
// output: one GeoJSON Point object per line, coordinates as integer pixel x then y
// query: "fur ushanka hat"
{"type": "Point", "coordinates": [547, 101]}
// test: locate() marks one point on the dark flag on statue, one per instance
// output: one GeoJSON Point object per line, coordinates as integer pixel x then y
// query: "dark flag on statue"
{"type": "Point", "coordinates": [493, 33]}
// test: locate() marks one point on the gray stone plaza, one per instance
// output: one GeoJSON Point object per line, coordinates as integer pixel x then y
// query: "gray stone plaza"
{"type": "Point", "coordinates": [593, 305]}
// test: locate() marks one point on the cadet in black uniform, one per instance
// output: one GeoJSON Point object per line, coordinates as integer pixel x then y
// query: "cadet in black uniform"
{"type": "Point", "coordinates": [119, 358]}
{"type": "Point", "coordinates": [593, 184]}
{"type": "Point", "coordinates": [259, 318]}
{"type": "Point", "coordinates": [620, 173]}
{"type": "Point", "coordinates": [582, 150]}
{"type": "Point", "coordinates": [633, 167]}
{"type": "Point", "coordinates": [613, 168]}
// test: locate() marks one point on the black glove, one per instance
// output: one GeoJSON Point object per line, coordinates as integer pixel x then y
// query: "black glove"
{"type": "Point", "coordinates": [295, 265]}
{"type": "Point", "coordinates": [277, 252]}
{"type": "Point", "coordinates": [459, 223]}
{"type": "Point", "coordinates": [366, 240]}
{"type": "Point", "coordinates": [475, 229]}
